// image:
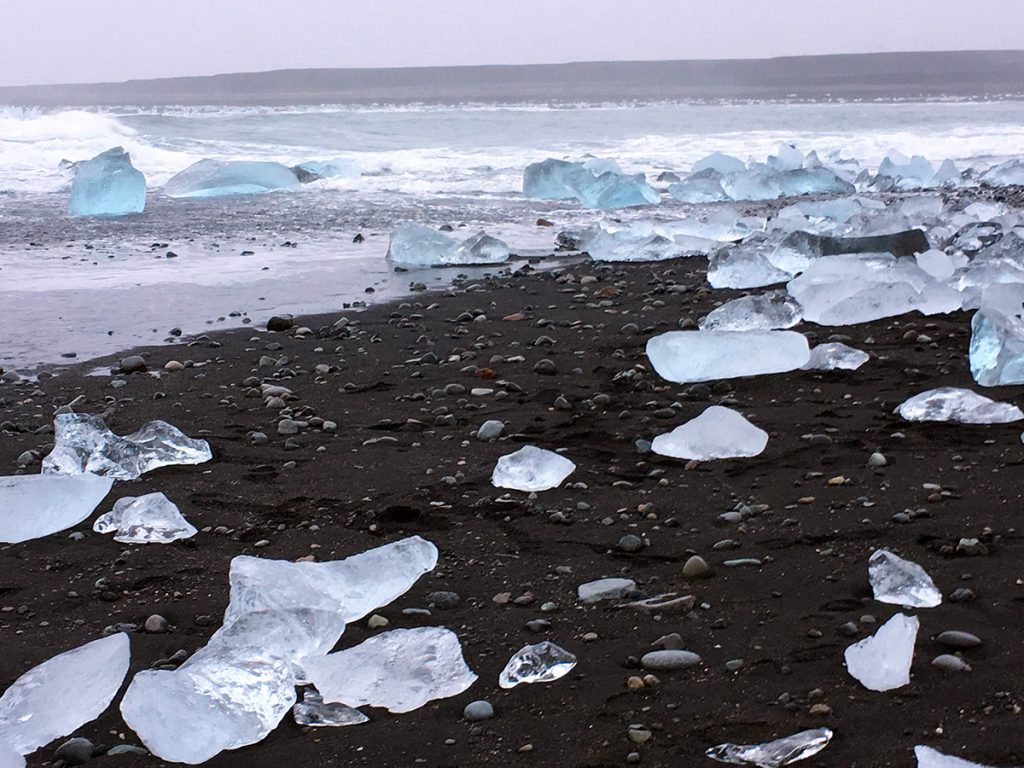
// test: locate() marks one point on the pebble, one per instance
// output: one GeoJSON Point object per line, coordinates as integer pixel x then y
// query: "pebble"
{"type": "Point", "coordinates": [478, 710]}
{"type": "Point", "coordinates": [668, 661]}
{"type": "Point", "coordinates": [75, 751]}
{"type": "Point", "coordinates": [128, 749]}
{"type": "Point", "coordinates": [443, 601]}
{"type": "Point", "coordinates": [156, 624]}
{"type": "Point", "coordinates": [947, 662]}
{"type": "Point", "coordinates": [734, 664]}
{"type": "Point", "coordinates": [545, 367]}
{"type": "Point", "coordinates": [630, 543]}
{"type": "Point", "coordinates": [957, 639]}
{"type": "Point", "coordinates": [132, 364]}
{"type": "Point", "coordinates": [280, 323]}
{"type": "Point", "coordinates": [173, 366]}
{"type": "Point", "coordinates": [877, 460]}
{"type": "Point", "coordinates": [696, 567]}
{"type": "Point", "coordinates": [376, 621]}
{"type": "Point", "coordinates": [287, 427]}
{"type": "Point", "coordinates": [490, 430]}
{"type": "Point", "coordinates": [743, 561]}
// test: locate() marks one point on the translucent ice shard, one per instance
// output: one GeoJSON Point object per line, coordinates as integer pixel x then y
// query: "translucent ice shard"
{"type": "Point", "coordinates": [218, 178]}
{"type": "Point", "coordinates": [540, 663]}
{"type": "Point", "coordinates": [932, 758]}
{"type": "Point", "coordinates": [748, 265]}
{"type": "Point", "coordinates": [312, 711]}
{"type": "Point", "coordinates": [107, 185]}
{"type": "Point", "coordinates": [997, 337]}
{"type": "Point", "coordinates": [835, 356]}
{"type": "Point", "coordinates": [774, 754]}
{"type": "Point", "coordinates": [60, 695]}
{"type": "Point", "coordinates": [691, 356]}
{"type": "Point", "coordinates": [882, 662]}
{"type": "Point", "coordinates": [336, 168]}
{"type": "Point", "coordinates": [643, 241]}
{"type": "Point", "coordinates": [771, 311]}
{"type": "Point", "coordinates": [909, 172]}
{"type": "Point", "coordinates": [758, 183]}
{"type": "Point", "coordinates": [481, 248]}
{"type": "Point", "coordinates": [85, 445]}
{"type": "Point", "coordinates": [1009, 173]}
{"type": "Point", "coordinates": [531, 469]}
{"type": "Point", "coordinates": [551, 179]}
{"type": "Point", "coordinates": [901, 582]}
{"type": "Point", "coordinates": [32, 506]}
{"type": "Point", "coordinates": [961, 405]}
{"type": "Point", "coordinates": [149, 519]}
{"type": "Point", "coordinates": [399, 670]}
{"type": "Point", "coordinates": [414, 245]}
{"type": "Point", "coordinates": [702, 187]}
{"type": "Point", "coordinates": [808, 181]}
{"type": "Point", "coordinates": [595, 185]}
{"type": "Point", "coordinates": [719, 162]}
{"type": "Point", "coordinates": [718, 433]}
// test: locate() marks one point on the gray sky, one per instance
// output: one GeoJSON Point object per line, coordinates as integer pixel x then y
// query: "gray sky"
{"type": "Point", "coordinates": [56, 41]}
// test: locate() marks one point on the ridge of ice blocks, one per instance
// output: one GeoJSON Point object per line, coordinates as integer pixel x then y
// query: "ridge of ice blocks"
{"type": "Point", "coordinates": [643, 241]}
{"type": "Point", "coordinates": [400, 670]}
{"type": "Point", "coordinates": [107, 185]}
{"type": "Point", "coordinates": [771, 311]}
{"type": "Point", "coordinates": [960, 405]}
{"type": "Point", "coordinates": [149, 519]}
{"type": "Point", "coordinates": [835, 356]}
{"type": "Point", "coordinates": [718, 433]}
{"type": "Point", "coordinates": [83, 444]}
{"type": "Point", "coordinates": [997, 337]}
{"type": "Point", "coordinates": [33, 506]}
{"type": "Point", "coordinates": [414, 245]}
{"type": "Point", "coordinates": [313, 712]}
{"type": "Point", "coordinates": [598, 186]}
{"type": "Point", "coordinates": [1010, 173]}
{"type": "Point", "coordinates": [543, 662]}
{"type": "Point", "coordinates": [901, 582]}
{"type": "Point", "coordinates": [882, 662]}
{"type": "Point", "coordinates": [774, 754]}
{"type": "Point", "coordinates": [686, 357]}
{"type": "Point", "coordinates": [64, 693]}
{"type": "Point", "coordinates": [219, 178]}
{"type": "Point", "coordinates": [932, 758]}
{"type": "Point", "coordinates": [531, 469]}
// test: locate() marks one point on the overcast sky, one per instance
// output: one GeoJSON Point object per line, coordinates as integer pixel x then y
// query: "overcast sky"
{"type": "Point", "coordinates": [60, 41]}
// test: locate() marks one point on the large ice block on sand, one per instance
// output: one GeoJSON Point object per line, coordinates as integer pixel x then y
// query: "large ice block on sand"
{"type": "Point", "coordinates": [219, 178]}
{"type": "Point", "coordinates": [756, 183]}
{"type": "Point", "coordinates": [542, 662]}
{"type": "Point", "coordinates": [932, 758]}
{"type": "Point", "coordinates": [643, 241]}
{"type": "Point", "coordinates": [32, 506]}
{"type": "Point", "coordinates": [686, 357]}
{"type": "Point", "coordinates": [771, 311]}
{"type": "Point", "coordinates": [399, 670]}
{"type": "Point", "coordinates": [85, 445]}
{"type": "Point", "coordinates": [718, 433]}
{"type": "Point", "coordinates": [149, 519]}
{"type": "Point", "coordinates": [774, 754]}
{"type": "Point", "coordinates": [107, 185]}
{"type": "Point", "coordinates": [882, 662]}
{"type": "Point", "coordinates": [61, 695]}
{"type": "Point", "coordinates": [531, 469]}
{"type": "Point", "coordinates": [719, 162]}
{"type": "Point", "coordinates": [901, 582]}
{"type": "Point", "coordinates": [960, 405]}
{"type": "Point", "coordinates": [997, 337]}
{"type": "Point", "coordinates": [414, 245]}
{"type": "Point", "coordinates": [598, 188]}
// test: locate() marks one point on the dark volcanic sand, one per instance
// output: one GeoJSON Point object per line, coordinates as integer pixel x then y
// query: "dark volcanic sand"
{"type": "Point", "coordinates": [782, 618]}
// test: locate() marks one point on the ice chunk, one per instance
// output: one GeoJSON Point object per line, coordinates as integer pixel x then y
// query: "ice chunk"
{"type": "Point", "coordinates": [909, 172]}
{"type": "Point", "coordinates": [531, 469]}
{"type": "Point", "coordinates": [936, 263]}
{"type": "Point", "coordinates": [9, 758]}
{"type": "Point", "coordinates": [721, 163]}
{"type": "Point", "coordinates": [882, 662]}
{"type": "Point", "coordinates": [336, 168]}
{"type": "Point", "coordinates": [61, 695]}
{"type": "Point", "coordinates": [686, 357]}
{"type": "Point", "coordinates": [642, 241]}
{"type": "Point", "coordinates": [313, 712]}
{"type": "Point", "coordinates": [149, 519]}
{"type": "Point", "coordinates": [604, 589]}
{"type": "Point", "coordinates": [774, 754]}
{"type": "Point", "coordinates": [560, 180]}
{"type": "Point", "coordinates": [32, 506]}
{"type": "Point", "coordinates": [961, 405]}
{"type": "Point", "coordinates": [217, 178]}
{"type": "Point", "coordinates": [789, 158]}
{"type": "Point", "coordinates": [947, 174]}
{"type": "Point", "coordinates": [748, 265]}
{"type": "Point", "coordinates": [997, 337]}
{"type": "Point", "coordinates": [835, 356]}
{"type": "Point", "coordinates": [414, 245]}
{"type": "Point", "coordinates": [718, 433]}
{"type": "Point", "coordinates": [932, 758]}
{"type": "Point", "coordinates": [399, 670]}
{"type": "Point", "coordinates": [901, 582]}
{"type": "Point", "coordinates": [551, 179]}
{"type": "Point", "coordinates": [616, 190]}
{"type": "Point", "coordinates": [757, 183]}
{"type": "Point", "coordinates": [1009, 173]}
{"type": "Point", "coordinates": [107, 185]}
{"type": "Point", "coordinates": [702, 187]}
{"type": "Point", "coordinates": [540, 663]}
{"type": "Point", "coordinates": [812, 181]}
{"type": "Point", "coordinates": [768, 312]}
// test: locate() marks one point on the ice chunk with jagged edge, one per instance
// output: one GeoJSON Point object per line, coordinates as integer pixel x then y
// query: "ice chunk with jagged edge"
{"type": "Point", "coordinates": [702, 187]}
{"type": "Point", "coordinates": [61, 695]}
{"type": "Point", "coordinates": [596, 186]}
{"type": "Point", "coordinates": [720, 163]}
{"type": "Point", "coordinates": [718, 433]}
{"type": "Point", "coordinates": [481, 248]}
{"type": "Point", "coordinates": [932, 758]}
{"type": "Point", "coordinates": [9, 758]}
{"type": "Point", "coordinates": [936, 263]}
{"type": "Point", "coordinates": [33, 506]}
{"type": "Point", "coordinates": [400, 670]}
{"type": "Point", "coordinates": [901, 582]}
{"type": "Point", "coordinates": [789, 158]}
{"type": "Point", "coordinates": [107, 185]}
{"type": "Point", "coordinates": [219, 178]}
{"type": "Point", "coordinates": [774, 754]}
{"type": "Point", "coordinates": [812, 181]}
{"type": "Point", "coordinates": [748, 265]}
{"type": "Point", "coordinates": [414, 245]}
{"type": "Point", "coordinates": [882, 662]}
{"type": "Point", "coordinates": [551, 179]}
{"type": "Point", "coordinates": [997, 337]}
{"type": "Point", "coordinates": [149, 519]}
{"type": "Point", "coordinates": [531, 469]}
{"type": "Point", "coordinates": [1010, 173]}
{"type": "Point", "coordinates": [686, 357]}
{"type": "Point", "coordinates": [543, 662]}
{"type": "Point", "coordinates": [313, 712]}
{"type": "Point", "coordinates": [960, 405]}
{"type": "Point", "coordinates": [835, 356]}
{"type": "Point", "coordinates": [910, 172]}
{"type": "Point", "coordinates": [615, 190]}
{"type": "Point", "coordinates": [335, 168]}
{"type": "Point", "coordinates": [85, 445]}
{"type": "Point", "coordinates": [644, 241]}
{"type": "Point", "coordinates": [771, 311]}
{"type": "Point", "coordinates": [755, 183]}
{"type": "Point", "coordinates": [947, 174]}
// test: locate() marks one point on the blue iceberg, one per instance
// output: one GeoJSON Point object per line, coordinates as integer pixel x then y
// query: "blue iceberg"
{"type": "Point", "coordinates": [703, 186]}
{"type": "Point", "coordinates": [414, 245]}
{"type": "Point", "coordinates": [719, 162]}
{"type": "Point", "coordinates": [108, 185]}
{"type": "Point", "coordinates": [336, 168]}
{"type": "Point", "coordinates": [816, 181]}
{"type": "Point", "coordinates": [596, 184]}
{"type": "Point", "coordinates": [217, 178]}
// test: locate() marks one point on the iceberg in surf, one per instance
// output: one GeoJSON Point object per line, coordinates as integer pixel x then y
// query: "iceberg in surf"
{"type": "Point", "coordinates": [336, 168]}
{"type": "Point", "coordinates": [107, 185]}
{"type": "Point", "coordinates": [414, 245]}
{"type": "Point", "coordinates": [218, 178]}
{"type": "Point", "coordinates": [701, 187]}
{"type": "Point", "coordinates": [33, 506]}
{"type": "Point", "coordinates": [686, 357]}
{"type": "Point", "coordinates": [600, 185]}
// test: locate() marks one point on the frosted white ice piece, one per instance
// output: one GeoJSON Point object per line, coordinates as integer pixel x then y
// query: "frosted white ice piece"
{"type": "Point", "coordinates": [901, 582]}
{"type": "Point", "coordinates": [775, 310]}
{"type": "Point", "coordinates": [312, 711]}
{"type": "Point", "coordinates": [543, 662]}
{"type": "Point", "coordinates": [882, 662]}
{"type": "Point", "coordinates": [149, 519]}
{"type": "Point", "coordinates": [718, 433]}
{"type": "Point", "coordinates": [691, 356]}
{"type": "Point", "coordinates": [32, 506]}
{"type": "Point", "coordinates": [218, 178]}
{"type": "Point", "coordinates": [960, 405]}
{"type": "Point", "coordinates": [414, 245]}
{"type": "Point", "coordinates": [836, 356]}
{"type": "Point", "coordinates": [774, 754]}
{"type": "Point", "coordinates": [932, 758]}
{"type": "Point", "coordinates": [107, 185]}
{"type": "Point", "coordinates": [531, 469]}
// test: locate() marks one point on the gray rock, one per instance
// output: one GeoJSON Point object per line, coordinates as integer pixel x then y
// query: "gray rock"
{"type": "Point", "coordinates": [696, 568]}
{"type": "Point", "coordinates": [877, 459]}
{"type": "Point", "coordinates": [490, 430]}
{"type": "Point", "coordinates": [76, 751]}
{"type": "Point", "coordinates": [443, 601]}
{"type": "Point", "coordinates": [280, 323]}
{"type": "Point", "coordinates": [604, 589]}
{"type": "Point", "coordinates": [156, 624]}
{"type": "Point", "coordinates": [546, 367]}
{"type": "Point", "coordinates": [478, 710]}
{"type": "Point", "coordinates": [132, 364]}
{"type": "Point", "coordinates": [128, 749]}
{"type": "Point", "coordinates": [957, 639]}
{"type": "Point", "coordinates": [630, 543]}
{"type": "Point", "coordinates": [947, 662]}
{"type": "Point", "coordinates": [287, 427]}
{"type": "Point", "coordinates": [668, 661]}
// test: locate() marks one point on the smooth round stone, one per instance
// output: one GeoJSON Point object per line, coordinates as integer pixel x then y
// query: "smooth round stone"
{"type": "Point", "coordinates": [743, 562]}
{"type": "Point", "coordinates": [696, 568]}
{"type": "Point", "coordinates": [132, 364]}
{"type": "Point", "coordinates": [947, 662]}
{"type": "Point", "coordinates": [956, 639]}
{"type": "Point", "coordinates": [490, 430]}
{"type": "Point", "coordinates": [478, 710]}
{"type": "Point", "coordinates": [668, 661]}
{"type": "Point", "coordinates": [734, 664]}
{"type": "Point", "coordinates": [75, 751]}
{"type": "Point", "coordinates": [156, 624]}
{"type": "Point", "coordinates": [630, 543]}
{"type": "Point", "coordinates": [877, 459]}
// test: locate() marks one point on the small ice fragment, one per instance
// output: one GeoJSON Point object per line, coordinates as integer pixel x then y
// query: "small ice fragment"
{"type": "Point", "coordinates": [691, 356]}
{"type": "Point", "coordinates": [882, 662]}
{"type": "Point", "coordinates": [531, 469]}
{"type": "Point", "coordinates": [312, 711]}
{"type": "Point", "coordinates": [789, 158]}
{"type": "Point", "coordinates": [775, 310]}
{"type": "Point", "coordinates": [960, 405]}
{"type": "Point", "coordinates": [718, 433]}
{"type": "Point", "coordinates": [901, 582]}
{"type": "Point", "coordinates": [216, 178]}
{"type": "Point", "coordinates": [107, 185]}
{"type": "Point", "coordinates": [33, 506]}
{"type": "Point", "coordinates": [540, 663]}
{"type": "Point", "coordinates": [61, 695]}
{"type": "Point", "coordinates": [415, 245]}
{"type": "Point", "coordinates": [932, 758]}
{"type": "Point", "coordinates": [85, 445]}
{"type": "Point", "coordinates": [835, 356]}
{"type": "Point", "coordinates": [774, 754]}
{"type": "Point", "coordinates": [399, 670]}
{"type": "Point", "coordinates": [604, 589]}
{"type": "Point", "coordinates": [149, 519]}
